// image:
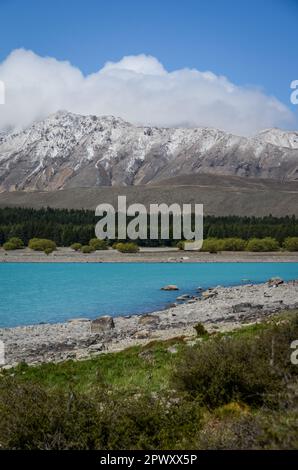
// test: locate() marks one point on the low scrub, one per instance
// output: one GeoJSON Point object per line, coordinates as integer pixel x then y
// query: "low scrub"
{"type": "Point", "coordinates": [35, 418]}
{"type": "Point", "coordinates": [41, 244]}
{"type": "Point", "coordinates": [87, 249]}
{"type": "Point", "coordinates": [262, 244]}
{"type": "Point", "coordinates": [249, 369]}
{"type": "Point", "coordinates": [127, 247]}
{"type": "Point", "coordinates": [291, 244]}
{"type": "Point", "coordinates": [76, 246]}
{"type": "Point", "coordinates": [98, 244]}
{"type": "Point", "coordinates": [13, 243]}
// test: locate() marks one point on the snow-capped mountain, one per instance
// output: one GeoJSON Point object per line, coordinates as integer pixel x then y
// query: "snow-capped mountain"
{"type": "Point", "coordinates": [68, 150]}
{"type": "Point", "coordinates": [280, 138]}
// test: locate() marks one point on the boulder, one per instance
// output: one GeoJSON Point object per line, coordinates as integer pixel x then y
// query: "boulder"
{"type": "Point", "coordinates": [148, 320]}
{"type": "Point", "coordinates": [275, 281]}
{"type": "Point", "coordinates": [141, 334]}
{"type": "Point", "coordinates": [102, 324]}
{"type": "Point", "coordinates": [170, 287]}
{"type": "Point", "coordinates": [184, 297]}
{"type": "Point", "coordinates": [247, 307]}
{"type": "Point", "coordinates": [208, 294]}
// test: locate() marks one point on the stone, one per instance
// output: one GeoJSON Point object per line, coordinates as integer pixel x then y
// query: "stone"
{"type": "Point", "coordinates": [96, 347]}
{"type": "Point", "coordinates": [77, 320]}
{"type": "Point", "coordinates": [241, 307]}
{"type": "Point", "coordinates": [172, 349]}
{"type": "Point", "coordinates": [170, 287]}
{"type": "Point", "coordinates": [102, 324]}
{"type": "Point", "coordinates": [247, 307]}
{"type": "Point", "coordinates": [141, 334]}
{"type": "Point", "coordinates": [183, 297]}
{"type": "Point", "coordinates": [208, 294]}
{"type": "Point", "coordinates": [148, 320]}
{"type": "Point", "coordinates": [275, 281]}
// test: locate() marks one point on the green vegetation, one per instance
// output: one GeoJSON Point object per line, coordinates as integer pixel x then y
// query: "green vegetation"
{"type": "Point", "coordinates": [66, 227]}
{"type": "Point", "coordinates": [87, 249]}
{"type": "Point", "coordinates": [212, 245]}
{"type": "Point", "coordinates": [127, 247]}
{"type": "Point", "coordinates": [201, 330]}
{"type": "Point", "coordinates": [97, 244]}
{"type": "Point", "coordinates": [76, 246]}
{"type": "Point", "coordinates": [41, 244]}
{"type": "Point", "coordinates": [48, 250]}
{"type": "Point", "coordinates": [14, 243]}
{"type": "Point", "coordinates": [291, 244]}
{"type": "Point", "coordinates": [230, 390]}
{"type": "Point", "coordinates": [262, 244]}
{"type": "Point", "coordinates": [233, 244]}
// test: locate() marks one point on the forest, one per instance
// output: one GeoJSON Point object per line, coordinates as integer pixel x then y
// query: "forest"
{"type": "Point", "coordinates": [68, 226]}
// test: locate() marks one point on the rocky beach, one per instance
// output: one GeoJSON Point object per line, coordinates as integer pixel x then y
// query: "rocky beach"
{"type": "Point", "coordinates": [219, 309]}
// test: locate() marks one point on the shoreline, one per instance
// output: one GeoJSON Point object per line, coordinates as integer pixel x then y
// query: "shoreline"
{"type": "Point", "coordinates": [219, 309]}
{"type": "Point", "coordinates": [146, 255]}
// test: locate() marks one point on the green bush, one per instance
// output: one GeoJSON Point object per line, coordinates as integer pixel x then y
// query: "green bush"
{"type": "Point", "coordinates": [9, 246]}
{"type": "Point", "coordinates": [87, 249]}
{"type": "Point", "coordinates": [180, 245]}
{"type": "Point", "coordinates": [212, 245]}
{"type": "Point", "coordinates": [262, 244]}
{"type": "Point", "coordinates": [201, 330]}
{"type": "Point", "coordinates": [291, 244]}
{"type": "Point", "coordinates": [35, 418]}
{"type": "Point", "coordinates": [249, 369]}
{"type": "Point", "coordinates": [127, 247]}
{"type": "Point", "coordinates": [98, 244]}
{"type": "Point", "coordinates": [48, 251]}
{"type": "Point", "coordinates": [233, 244]}
{"type": "Point", "coordinates": [76, 246]}
{"type": "Point", "coordinates": [14, 243]}
{"type": "Point", "coordinates": [41, 244]}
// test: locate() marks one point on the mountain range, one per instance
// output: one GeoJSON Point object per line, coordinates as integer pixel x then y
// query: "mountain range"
{"type": "Point", "coordinates": [67, 151]}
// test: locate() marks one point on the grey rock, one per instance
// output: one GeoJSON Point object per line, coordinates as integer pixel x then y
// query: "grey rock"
{"type": "Point", "coordinates": [275, 281]}
{"type": "Point", "coordinates": [170, 287]}
{"type": "Point", "coordinates": [148, 320]}
{"type": "Point", "coordinates": [102, 324]}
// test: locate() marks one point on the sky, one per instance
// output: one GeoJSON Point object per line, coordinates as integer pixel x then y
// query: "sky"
{"type": "Point", "coordinates": [226, 64]}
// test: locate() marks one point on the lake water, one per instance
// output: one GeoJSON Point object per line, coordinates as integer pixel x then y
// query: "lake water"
{"type": "Point", "coordinates": [34, 293]}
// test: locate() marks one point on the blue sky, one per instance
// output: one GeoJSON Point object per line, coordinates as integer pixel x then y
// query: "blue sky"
{"type": "Point", "coordinates": [253, 43]}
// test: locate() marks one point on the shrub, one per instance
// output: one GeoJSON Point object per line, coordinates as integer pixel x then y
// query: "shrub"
{"type": "Point", "coordinates": [251, 369]}
{"type": "Point", "coordinates": [33, 417]}
{"type": "Point", "coordinates": [212, 245]}
{"type": "Point", "coordinates": [127, 247]}
{"type": "Point", "coordinates": [98, 244]}
{"type": "Point", "coordinates": [291, 244]}
{"type": "Point", "coordinates": [9, 246]}
{"type": "Point", "coordinates": [180, 245]}
{"type": "Point", "coordinates": [14, 243]}
{"type": "Point", "coordinates": [201, 330]}
{"type": "Point", "coordinates": [48, 251]}
{"type": "Point", "coordinates": [41, 244]}
{"type": "Point", "coordinates": [233, 244]}
{"type": "Point", "coordinates": [76, 246]}
{"type": "Point", "coordinates": [87, 249]}
{"type": "Point", "coordinates": [262, 244]}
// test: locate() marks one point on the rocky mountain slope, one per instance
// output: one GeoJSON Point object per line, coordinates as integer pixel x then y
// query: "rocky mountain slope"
{"type": "Point", "coordinates": [69, 151]}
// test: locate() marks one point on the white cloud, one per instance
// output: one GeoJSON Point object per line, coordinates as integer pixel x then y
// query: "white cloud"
{"type": "Point", "coordinates": [138, 89]}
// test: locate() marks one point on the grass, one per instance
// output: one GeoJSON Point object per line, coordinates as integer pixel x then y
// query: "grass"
{"type": "Point", "coordinates": [136, 369]}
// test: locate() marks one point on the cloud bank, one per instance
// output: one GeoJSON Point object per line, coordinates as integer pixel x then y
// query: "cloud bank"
{"type": "Point", "coordinates": [137, 88]}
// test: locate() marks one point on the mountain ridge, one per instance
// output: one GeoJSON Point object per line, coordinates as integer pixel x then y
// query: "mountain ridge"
{"type": "Point", "coordinates": [67, 150]}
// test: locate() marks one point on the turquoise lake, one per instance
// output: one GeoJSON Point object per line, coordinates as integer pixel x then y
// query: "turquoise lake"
{"type": "Point", "coordinates": [33, 293]}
